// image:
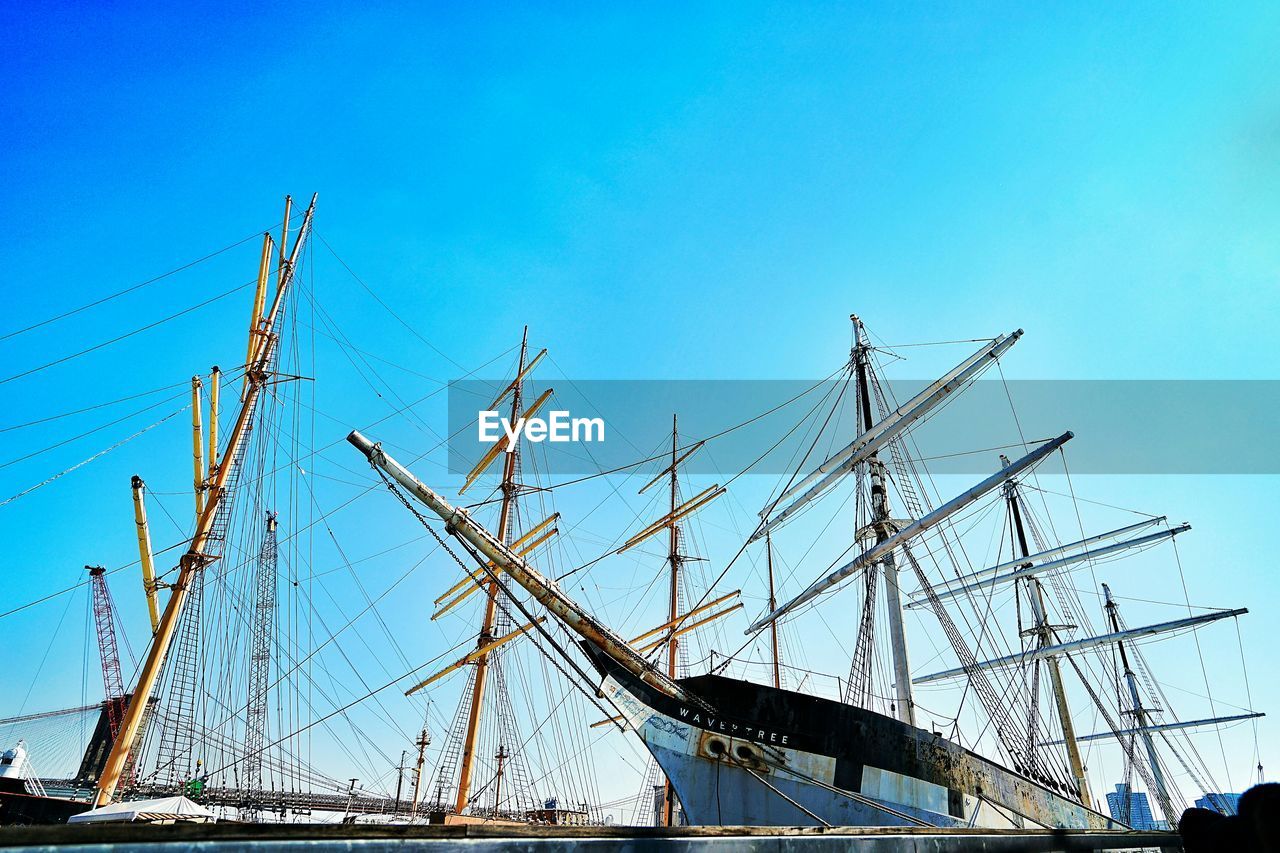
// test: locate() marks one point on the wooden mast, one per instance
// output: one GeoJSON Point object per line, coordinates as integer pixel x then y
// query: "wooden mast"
{"type": "Point", "coordinates": [485, 640]}
{"type": "Point", "coordinates": [197, 445]}
{"type": "Point", "coordinates": [773, 603]}
{"type": "Point", "coordinates": [423, 741]}
{"type": "Point", "coordinates": [673, 558]}
{"type": "Point", "coordinates": [257, 374]}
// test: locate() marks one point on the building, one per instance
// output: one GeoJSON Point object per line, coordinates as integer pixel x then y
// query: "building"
{"type": "Point", "coordinates": [1224, 803]}
{"type": "Point", "coordinates": [552, 812]}
{"type": "Point", "coordinates": [1132, 808]}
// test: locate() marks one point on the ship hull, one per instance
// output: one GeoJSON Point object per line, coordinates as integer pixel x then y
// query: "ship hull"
{"type": "Point", "coordinates": [745, 754]}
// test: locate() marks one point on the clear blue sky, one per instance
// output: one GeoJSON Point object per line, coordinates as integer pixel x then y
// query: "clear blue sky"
{"type": "Point", "coordinates": [676, 191]}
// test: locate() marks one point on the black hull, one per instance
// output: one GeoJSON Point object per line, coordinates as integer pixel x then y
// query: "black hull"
{"type": "Point", "coordinates": [768, 746]}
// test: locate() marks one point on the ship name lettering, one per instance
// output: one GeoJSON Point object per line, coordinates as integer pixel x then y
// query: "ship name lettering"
{"type": "Point", "coordinates": [757, 734]}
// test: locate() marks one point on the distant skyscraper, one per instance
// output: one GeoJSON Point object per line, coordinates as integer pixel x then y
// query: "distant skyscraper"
{"type": "Point", "coordinates": [1224, 803]}
{"type": "Point", "coordinates": [1132, 808]}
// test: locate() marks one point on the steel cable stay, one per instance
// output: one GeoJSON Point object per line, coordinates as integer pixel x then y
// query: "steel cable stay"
{"type": "Point", "coordinates": [348, 706]}
{"type": "Point", "coordinates": [388, 308]}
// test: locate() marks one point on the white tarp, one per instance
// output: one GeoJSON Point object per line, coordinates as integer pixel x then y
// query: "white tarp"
{"type": "Point", "coordinates": [147, 811]}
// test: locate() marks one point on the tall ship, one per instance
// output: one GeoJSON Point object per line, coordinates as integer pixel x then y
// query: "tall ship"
{"type": "Point", "coordinates": [739, 752]}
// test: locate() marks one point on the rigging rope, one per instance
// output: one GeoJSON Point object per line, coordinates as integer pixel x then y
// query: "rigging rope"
{"type": "Point", "coordinates": [129, 289]}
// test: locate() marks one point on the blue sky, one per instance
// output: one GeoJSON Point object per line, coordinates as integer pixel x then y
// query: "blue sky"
{"type": "Point", "coordinates": [697, 191]}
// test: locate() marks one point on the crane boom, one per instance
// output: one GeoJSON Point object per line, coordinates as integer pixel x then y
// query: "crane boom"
{"type": "Point", "coordinates": [105, 619]}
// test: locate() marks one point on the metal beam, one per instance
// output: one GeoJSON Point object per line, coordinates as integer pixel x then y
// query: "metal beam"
{"type": "Point", "coordinates": [471, 657]}
{"type": "Point", "coordinates": [689, 507]}
{"type": "Point", "coordinates": [500, 445]}
{"type": "Point", "coordinates": [519, 378]}
{"type": "Point", "coordinates": [1053, 552]}
{"type": "Point", "coordinates": [694, 612]}
{"type": "Point", "coordinates": [681, 631]}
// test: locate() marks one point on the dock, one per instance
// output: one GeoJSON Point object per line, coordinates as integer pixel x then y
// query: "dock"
{"type": "Point", "coordinates": [317, 838]}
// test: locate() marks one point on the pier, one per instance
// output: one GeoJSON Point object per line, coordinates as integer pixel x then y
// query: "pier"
{"type": "Point", "coordinates": [234, 838]}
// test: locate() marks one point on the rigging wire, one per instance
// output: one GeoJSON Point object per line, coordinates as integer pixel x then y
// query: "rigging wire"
{"type": "Point", "coordinates": [90, 432]}
{"type": "Point", "coordinates": [81, 464]}
{"type": "Point", "coordinates": [129, 334]}
{"type": "Point", "coordinates": [129, 289]}
{"type": "Point", "coordinates": [388, 308]}
{"type": "Point", "coordinates": [94, 407]}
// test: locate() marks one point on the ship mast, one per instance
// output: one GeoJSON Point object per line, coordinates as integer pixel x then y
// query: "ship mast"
{"type": "Point", "coordinates": [673, 558]}
{"type": "Point", "coordinates": [486, 638]}
{"type": "Point", "coordinates": [257, 375]}
{"type": "Point", "coordinates": [773, 602]}
{"type": "Point", "coordinates": [423, 741]}
{"type": "Point", "coordinates": [884, 527]}
{"type": "Point", "coordinates": [1142, 722]}
{"type": "Point", "coordinates": [1044, 634]}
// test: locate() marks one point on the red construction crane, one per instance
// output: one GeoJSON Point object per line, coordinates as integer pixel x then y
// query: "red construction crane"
{"type": "Point", "coordinates": [104, 615]}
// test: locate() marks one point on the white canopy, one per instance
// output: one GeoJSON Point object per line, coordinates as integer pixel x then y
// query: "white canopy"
{"type": "Point", "coordinates": [167, 809]}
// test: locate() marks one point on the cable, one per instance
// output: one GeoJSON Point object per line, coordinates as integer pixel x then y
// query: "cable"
{"type": "Point", "coordinates": [90, 432]}
{"type": "Point", "coordinates": [84, 462]}
{"type": "Point", "coordinates": [130, 334]}
{"type": "Point", "coordinates": [127, 290]}
{"type": "Point", "coordinates": [378, 299]}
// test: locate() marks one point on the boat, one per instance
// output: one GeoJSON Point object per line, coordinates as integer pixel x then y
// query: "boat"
{"type": "Point", "coordinates": [737, 752]}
